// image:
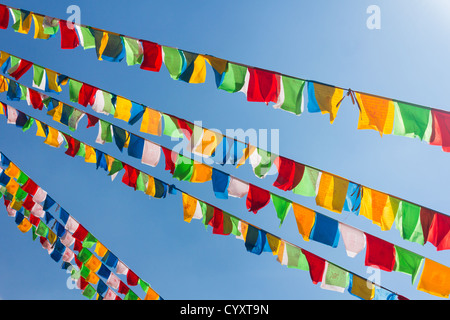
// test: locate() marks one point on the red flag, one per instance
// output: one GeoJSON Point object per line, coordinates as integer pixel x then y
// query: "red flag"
{"type": "Point", "coordinates": [92, 120]}
{"type": "Point", "coordinates": [439, 232]}
{"type": "Point", "coordinates": [87, 95]}
{"type": "Point", "coordinates": [170, 164]}
{"type": "Point", "coordinates": [426, 218]}
{"type": "Point", "coordinates": [217, 221]}
{"type": "Point", "coordinates": [132, 278]}
{"type": "Point", "coordinates": [379, 253]}
{"type": "Point", "coordinates": [440, 135]}
{"type": "Point", "coordinates": [4, 17]}
{"type": "Point", "coordinates": [23, 67]}
{"type": "Point", "coordinates": [123, 288]}
{"type": "Point", "coordinates": [30, 187]}
{"type": "Point", "coordinates": [257, 198]}
{"type": "Point", "coordinates": [80, 233]}
{"type": "Point", "coordinates": [74, 146]}
{"type": "Point", "coordinates": [187, 130]}
{"type": "Point", "coordinates": [69, 37]}
{"type": "Point", "coordinates": [263, 86]}
{"type": "Point", "coordinates": [34, 220]}
{"type": "Point", "coordinates": [28, 203]}
{"type": "Point", "coordinates": [316, 266]}
{"type": "Point", "coordinates": [289, 173]}
{"type": "Point", "coordinates": [130, 176]}
{"type": "Point", "coordinates": [152, 60]}
{"type": "Point", "coordinates": [35, 99]}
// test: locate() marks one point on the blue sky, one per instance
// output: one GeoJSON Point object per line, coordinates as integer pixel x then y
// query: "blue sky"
{"type": "Point", "coordinates": [406, 59]}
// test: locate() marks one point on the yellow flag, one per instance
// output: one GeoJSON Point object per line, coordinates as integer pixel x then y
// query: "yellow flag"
{"type": "Point", "coordinates": [201, 173]}
{"type": "Point", "coordinates": [199, 73]}
{"type": "Point", "coordinates": [40, 130]}
{"type": "Point", "coordinates": [52, 80]}
{"type": "Point", "coordinates": [103, 45]}
{"type": "Point", "coordinates": [332, 192]}
{"type": "Point", "coordinates": [123, 109]}
{"type": "Point", "coordinates": [362, 288]}
{"type": "Point", "coordinates": [12, 186]}
{"type": "Point", "coordinates": [274, 243]}
{"type": "Point", "coordinates": [93, 264]}
{"type": "Point", "coordinates": [151, 294]}
{"type": "Point", "coordinates": [328, 99]}
{"type": "Point", "coordinates": [151, 122]}
{"type": "Point", "coordinates": [16, 204]}
{"type": "Point", "coordinates": [378, 207]}
{"type": "Point", "coordinates": [100, 249]}
{"type": "Point", "coordinates": [209, 141]}
{"type": "Point", "coordinates": [56, 112]}
{"type": "Point", "coordinates": [3, 87]}
{"type": "Point", "coordinates": [12, 171]}
{"type": "Point", "coordinates": [305, 220]}
{"type": "Point", "coordinates": [151, 189]}
{"type": "Point", "coordinates": [375, 113]}
{"type": "Point", "coordinates": [54, 138]}
{"type": "Point", "coordinates": [90, 156]}
{"type": "Point", "coordinates": [25, 225]}
{"type": "Point", "coordinates": [92, 278]}
{"type": "Point", "coordinates": [435, 279]}
{"type": "Point", "coordinates": [39, 28]}
{"type": "Point", "coordinates": [189, 207]}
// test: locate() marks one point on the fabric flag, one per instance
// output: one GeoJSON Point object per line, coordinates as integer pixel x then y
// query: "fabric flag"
{"type": "Point", "coordinates": [4, 17]}
{"type": "Point", "coordinates": [439, 232]}
{"type": "Point", "coordinates": [21, 20]}
{"type": "Point", "coordinates": [39, 77]}
{"type": "Point", "coordinates": [171, 128]}
{"type": "Point", "coordinates": [237, 188]}
{"type": "Point", "coordinates": [191, 208]}
{"type": "Point", "coordinates": [412, 121]}
{"type": "Point", "coordinates": [123, 109]}
{"type": "Point", "coordinates": [291, 95]}
{"type": "Point", "coordinates": [132, 278]}
{"type": "Point", "coordinates": [255, 240]}
{"type": "Point", "coordinates": [261, 162]}
{"type": "Point", "coordinates": [233, 78]}
{"type": "Point", "coordinates": [152, 59]}
{"type": "Point", "coordinates": [305, 219]}
{"type": "Point", "coordinates": [151, 122]}
{"type": "Point", "coordinates": [53, 82]}
{"type": "Point", "coordinates": [316, 266]}
{"type": "Point", "coordinates": [325, 230]}
{"type": "Point", "coordinates": [324, 99]}
{"type": "Point", "coordinates": [220, 182]}
{"type": "Point", "coordinates": [113, 50]}
{"type": "Point", "coordinates": [353, 198]}
{"type": "Point", "coordinates": [441, 129]}
{"type": "Point", "coordinates": [257, 198]}
{"type": "Point", "coordinates": [105, 133]}
{"type": "Point", "coordinates": [426, 220]}
{"type": "Point", "coordinates": [308, 185]}
{"type": "Point", "coordinates": [86, 94]}
{"type": "Point", "coordinates": [408, 222]}
{"type": "Point", "coordinates": [334, 278]}
{"type": "Point", "coordinates": [170, 158]}
{"type": "Point", "coordinates": [361, 288]}
{"type": "Point", "coordinates": [151, 153]}
{"type": "Point", "coordinates": [375, 113]}
{"type": "Point", "coordinates": [201, 173]}
{"type": "Point", "coordinates": [183, 168]}
{"type": "Point", "coordinates": [407, 262]}
{"type": "Point", "coordinates": [290, 173]}
{"type": "Point", "coordinates": [294, 256]}
{"type": "Point", "coordinates": [282, 206]}
{"type": "Point", "coordinates": [332, 192]}
{"type": "Point", "coordinates": [136, 146]}
{"type": "Point", "coordinates": [208, 143]}
{"type": "Point", "coordinates": [379, 253]}
{"type": "Point", "coordinates": [130, 176]}
{"type": "Point", "coordinates": [54, 138]}
{"type": "Point", "coordinates": [174, 61]}
{"type": "Point", "coordinates": [133, 50]}
{"type": "Point", "coordinates": [103, 103]}
{"type": "Point", "coordinates": [21, 69]}
{"type": "Point", "coordinates": [69, 37]}
{"type": "Point", "coordinates": [74, 90]}
{"type": "Point", "coordinates": [39, 31]}
{"type": "Point", "coordinates": [263, 86]}
{"type": "Point", "coordinates": [378, 207]}
{"type": "Point", "coordinates": [87, 40]}
{"type": "Point", "coordinates": [354, 239]}
{"type": "Point", "coordinates": [435, 279]}
{"type": "Point", "coordinates": [195, 70]}
{"type": "Point", "coordinates": [218, 65]}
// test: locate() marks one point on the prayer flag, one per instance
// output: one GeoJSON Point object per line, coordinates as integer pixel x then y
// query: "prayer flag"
{"type": "Point", "coordinates": [69, 37]}
{"type": "Point", "coordinates": [257, 198]}
{"type": "Point", "coordinates": [332, 192]}
{"type": "Point", "coordinates": [325, 230]}
{"type": "Point", "coordinates": [282, 206]}
{"type": "Point", "coordinates": [435, 279]}
{"type": "Point", "coordinates": [412, 121]}
{"type": "Point", "coordinates": [408, 222]}
{"type": "Point", "coordinates": [375, 113]}
{"type": "Point", "coordinates": [354, 239]}
{"type": "Point", "coordinates": [291, 95]}
{"type": "Point", "coordinates": [263, 86]}
{"type": "Point", "coordinates": [379, 253]}
{"type": "Point", "coordinates": [152, 59]}
{"type": "Point", "coordinates": [441, 129]}
{"type": "Point", "coordinates": [305, 219]}
{"type": "Point", "coordinates": [324, 99]}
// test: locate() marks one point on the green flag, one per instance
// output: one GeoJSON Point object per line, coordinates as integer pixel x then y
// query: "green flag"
{"type": "Point", "coordinates": [292, 95]}
{"type": "Point", "coordinates": [233, 78]}
{"type": "Point", "coordinates": [408, 222]}
{"type": "Point", "coordinates": [28, 124]}
{"type": "Point", "coordinates": [133, 51]}
{"type": "Point", "coordinates": [105, 133]}
{"type": "Point", "coordinates": [307, 186]}
{"type": "Point", "coordinates": [131, 296]}
{"type": "Point", "coordinates": [141, 182]}
{"type": "Point", "coordinates": [411, 121]}
{"type": "Point", "coordinates": [183, 168]}
{"type": "Point", "coordinates": [281, 205]}
{"type": "Point", "coordinates": [84, 255]}
{"type": "Point", "coordinates": [38, 75]}
{"type": "Point", "coordinates": [266, 159]}
{"type": "Point", "coordinates": [87, 40]}
{"type": "Point", "coordinates": [89, 241]}
{"type": "Point", "coordinates": [407, 262]}
{"type": "Point", "coordinates": [74, 90]}
{"type": "Point", "coordinates": [174, 61]}
{"type": "Point", "coordinates": [89, 292]}
{"type": "Point", "coordinates": [296, 258]}
{"type": "Point", "coordinates": [335, 278]}
{"type": "Point", "coordinates": [42, 229]}
{"type": "Point", "coordinates": [171, 127]}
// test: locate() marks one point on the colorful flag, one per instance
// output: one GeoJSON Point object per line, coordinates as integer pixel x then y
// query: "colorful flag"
{"type": "Point", "coordinates": [435, 279]}
{"type": "Point", "coordinates": [375, 113]}
{"type": "Point", "coordinates": [325, 99]}
{"type": "Point", "coordinates": [291, 95]}
{"type": "Point", "coordinates": [412, 121]}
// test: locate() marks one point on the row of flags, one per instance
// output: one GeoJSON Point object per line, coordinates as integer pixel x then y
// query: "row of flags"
{"type": "Point", "coordinates": [311, 225]}
{"type": "Point", "coordinates": [387, 116]}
